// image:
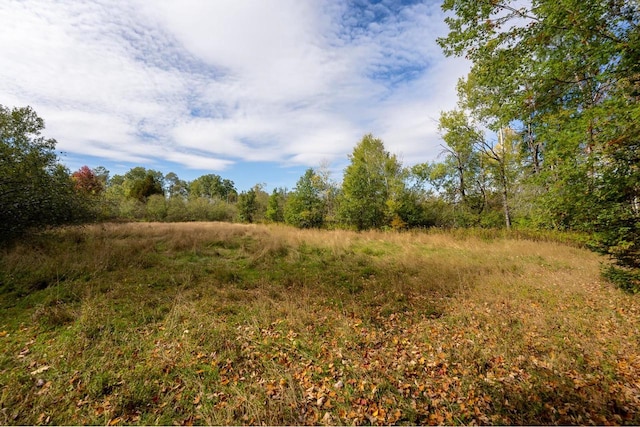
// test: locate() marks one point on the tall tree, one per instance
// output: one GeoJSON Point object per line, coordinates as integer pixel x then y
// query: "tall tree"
{"type": "Point", "coordinates": [502, 164]}
{"type": "Point", "coordinates": [102, 174]}
{"type": "Point", "coordinates": [370, 187]}
{"type": "Point", "coordinates": [146, 186]}
{"type": "Point", "coordinates": [248, 206]}
{"type": "Point", "coordinates": [567, 71]}
{"type": "Point", "coordinates": [462, 174]}
{"type": "Point", "coordinates": [275, 206]}
{"type": "Point", "coordinates": [306, 205]}
{"type": "Point", "coordinates": [174, 186]}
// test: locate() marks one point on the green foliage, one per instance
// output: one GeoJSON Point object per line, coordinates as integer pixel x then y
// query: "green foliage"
{"type": "Point", "coordinates": [145, 187]}
{"type": "Point", "coordinates": [205, 209]}
{"type": "Point", "coordinates": [617, 188]}
{"type": "Point", "coordinates": [306, 206]}
{"type": "Point", "coordinates": [177, 210]}
{"type": "Point", "coordinates": [626, 279]}
{"type": "Point", "coordinates": [248, 206]}
{"type": "Point", "coordinates": [138, 183]}
{"type": "Point", "coordinates": [371, 187]}
{"type": "Point", "coordinates": [174, 186]}
{"type": "Point", "coordinates": [461, 174]}
{"type": "Point", "coordinates": [262, 200]}
{"type": "Point", "coordinates": [102, 174]}
{"type": "Point", "coordinates": [460, 180]}
{"type": "Point", "coordinates": [566, 72]}
{"type": "Point", "coordinates": [156, 208]}
{"type": "Point", "coordinates": [213, 186]}
{"type": "Point", "coordinates": [35, 191]}
{"type": "Point", "coordinates": [275, 206]}
{"type": "Point", "coordinates": [130, 208]}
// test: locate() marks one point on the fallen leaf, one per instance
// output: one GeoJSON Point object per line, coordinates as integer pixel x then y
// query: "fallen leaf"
{"type": "Point", "coordinates": [40, 370]}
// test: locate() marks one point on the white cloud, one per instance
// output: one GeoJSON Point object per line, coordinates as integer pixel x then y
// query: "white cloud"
{"type": "Point", "coordinates": [210, 84]}
{"type": "Point", "coordinates": [195, 161]}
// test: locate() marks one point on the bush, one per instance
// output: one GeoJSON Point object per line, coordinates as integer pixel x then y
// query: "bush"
{"type": "Point", "coordinates": [626, 279]}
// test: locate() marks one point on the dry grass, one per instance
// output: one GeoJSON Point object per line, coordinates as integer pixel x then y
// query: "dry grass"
{"type": "Point", "coordinates": [214, 323]}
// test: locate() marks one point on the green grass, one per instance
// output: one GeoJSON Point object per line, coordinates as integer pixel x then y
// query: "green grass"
{"type": "Point", "coordinates": [212, 323]}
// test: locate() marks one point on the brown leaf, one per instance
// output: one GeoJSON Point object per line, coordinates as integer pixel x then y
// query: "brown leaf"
{"type": "Point", "coordinates": [40, 370]}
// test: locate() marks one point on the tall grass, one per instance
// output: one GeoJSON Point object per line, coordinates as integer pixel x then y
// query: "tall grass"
{"type": "Point", "coordinates": [215, 323]}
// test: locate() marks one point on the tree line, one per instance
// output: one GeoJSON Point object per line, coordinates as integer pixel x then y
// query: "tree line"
{"type": "Point", "coordinates": [545, 136]}
{"type": "Point", "coordinates": [376, 191]}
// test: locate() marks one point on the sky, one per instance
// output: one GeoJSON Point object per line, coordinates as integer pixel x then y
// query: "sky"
{"type": "Point", "coordinates": [255, 91]}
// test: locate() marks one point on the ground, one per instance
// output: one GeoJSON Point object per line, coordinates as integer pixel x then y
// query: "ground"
{"type": "Point", "coordinates": [212, 323]}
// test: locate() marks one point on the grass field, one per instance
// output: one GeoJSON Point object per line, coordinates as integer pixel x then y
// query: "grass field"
{"type": "Point", "coordinates": [212, 323]}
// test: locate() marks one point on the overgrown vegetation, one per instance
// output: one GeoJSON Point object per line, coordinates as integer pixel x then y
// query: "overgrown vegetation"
{"type": "Point", "coordinates": [214, 323]}
{"type": "Point", "coordinates": [35, 190]}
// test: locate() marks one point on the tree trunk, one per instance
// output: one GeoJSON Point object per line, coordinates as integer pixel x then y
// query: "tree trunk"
{"type": "Point", "coordinates": [507, 212]}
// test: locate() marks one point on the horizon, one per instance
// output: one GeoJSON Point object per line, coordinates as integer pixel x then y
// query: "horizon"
{"type": "Point", "coordinates": [245, 90]}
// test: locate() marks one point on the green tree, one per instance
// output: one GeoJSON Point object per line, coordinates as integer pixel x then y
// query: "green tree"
{"type": "Point", "coordinates": [462, 175]}
{"type": "Point", "coordinates": [102, 174]}
{"type": "Point", "coordinates": [305, 206]}
{"type": "Point", "coordinates": [127, 194]}
{"type": "Point", "coordinates": [248, 206]}
{"type": "Point", "coordinates": [275, 206]}
{"type": "Point", "coordinates": [35, 191]}
{"type": "Point", "coordinates": [213, 186]}
{"type": "Point", "coordinates": [156, 208]}
{"type": "Point", "coordinates": [262, 201]}
{"type": "Point", "coordinates": [146, 187]}
{"type": "Point", "coordinates": [567, 71]}
{"type": "Point", "coordinates": [177, 210]}
{"type": "Point", "coordinates": [371, 186]}
{"type": "Point", "coordinates": [174, 186]}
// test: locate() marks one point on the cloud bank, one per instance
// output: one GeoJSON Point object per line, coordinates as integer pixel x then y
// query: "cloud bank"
{"type": "Point", "coordinates": [214, 85]}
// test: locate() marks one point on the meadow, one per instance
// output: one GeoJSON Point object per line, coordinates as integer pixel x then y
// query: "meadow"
{"type": "Point", "coordinates": [217, 323]}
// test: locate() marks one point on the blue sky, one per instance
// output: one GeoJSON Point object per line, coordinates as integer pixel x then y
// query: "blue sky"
{"type": "Point", "coordinates": [254, 91]}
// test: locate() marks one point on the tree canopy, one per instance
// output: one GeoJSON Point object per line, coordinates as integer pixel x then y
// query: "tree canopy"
{"type": "Point", "coordinates": [566, 74]}
{"type": "Point", "coordinates": [370, 185]}
{"type": "Point", "coordinates": [305, 207]}
{"type": "Point", "coordinates": [35, 190]}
